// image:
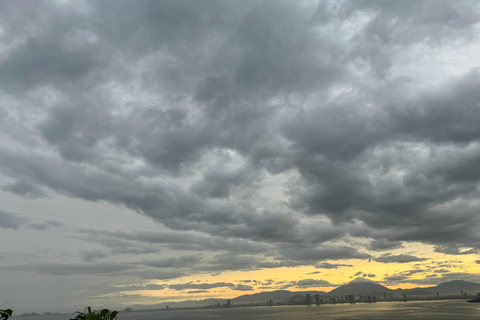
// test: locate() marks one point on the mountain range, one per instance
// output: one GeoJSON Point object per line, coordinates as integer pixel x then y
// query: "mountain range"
{"type": "Point", "coordinates": [364, 288]}
{"type": "Point", "coordinates": [372, 288]}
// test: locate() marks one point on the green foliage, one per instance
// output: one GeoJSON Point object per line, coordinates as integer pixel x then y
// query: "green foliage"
{"type": "Point", "coordinates": [5, 314]}
{"type": "Point", "coordinates": [103, 314]}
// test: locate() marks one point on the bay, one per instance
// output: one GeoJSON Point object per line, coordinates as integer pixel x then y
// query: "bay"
{"type": "Point", "coordinates": [420, 310]}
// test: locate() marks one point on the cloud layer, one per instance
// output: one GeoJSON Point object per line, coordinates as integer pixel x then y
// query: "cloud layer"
{"type": "Point", "coordinates": [255, 134]}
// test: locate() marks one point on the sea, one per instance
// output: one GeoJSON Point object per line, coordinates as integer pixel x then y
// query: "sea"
{"type": "Point", "coordinates": [418, 310]}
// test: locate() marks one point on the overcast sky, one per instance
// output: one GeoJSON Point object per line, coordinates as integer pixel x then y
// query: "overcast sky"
{"type": "Point", "coordinates": [168, 150]}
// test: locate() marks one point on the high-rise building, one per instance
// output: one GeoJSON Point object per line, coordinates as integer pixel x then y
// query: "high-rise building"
{"type": "Point", "coordinates": [317, 299]}
{"type": "Point", "coordinates": [308, 299]}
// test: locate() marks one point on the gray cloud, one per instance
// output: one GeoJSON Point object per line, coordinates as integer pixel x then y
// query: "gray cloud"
{"type": "Point", "coordinates": [322, 253]}
{"type": "Point", "coordinates": [157, 275]}
{"type": "Point", "coordinates": [455, 251]}
{"type": "Point", "coordinates": [401, 258]}
{"type": "Point", "coordinates": [308, 283]}
{"type": "Point", "coordinates": [434, 279]}
{"type": "Point", "coordinates": [24, 188]}
{"type": "Point", "coordinates": [66, 269]}
{"type": "Point", "coordinates": [326, 265]}
{"type": "Point", "coordinates": [247, 131]}
{"type": "Point", "coordinates": [230, 109]}
{"type": "Point", "coordinates": [202, 286]}
{"type": "Point", "coordinates": [45, 225]}
{"type": "Point", "coordinates": [93, 255]}
{"type": "Point", "coordinates": [242, 287]}
{"type": "Point", "coordinates": [383, 244]}
{"type": "Point", "coordinates": [10, 220]}
{"type": "Point", "coordinates": [173, 262]}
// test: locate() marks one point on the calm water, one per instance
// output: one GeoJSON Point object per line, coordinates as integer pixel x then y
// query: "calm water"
{"type": "Point", "coordinates": [430, 310]}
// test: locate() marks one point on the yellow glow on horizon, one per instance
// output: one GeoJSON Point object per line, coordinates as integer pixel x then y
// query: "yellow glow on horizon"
{"type": "Point", "coordinates": [336, 277]}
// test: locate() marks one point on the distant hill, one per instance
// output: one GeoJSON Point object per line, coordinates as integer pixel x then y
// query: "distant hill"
{"type": "Point", "coordinates": [302, 295]}
{"type": "Point", "coordinates": [355, 288]}
{"type": "Point", "coordinates": [178, 304]}
{"type": "Point", "coordinates": [262, 296]}
{"type": "Point", "coordinates": [297, 297]}
{"type": "Point", "coordinates": [417, 292]}
{"type": "Point", "coordinates": [364, 288]}
{"type": "Point", "coordinates": [278, 295]}
{"type": "Point", "coordinates": [454, 287]}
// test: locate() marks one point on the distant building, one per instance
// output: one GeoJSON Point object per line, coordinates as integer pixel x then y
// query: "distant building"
{"type": "Point", "coordinates": [351, 298]}
{"type": "Point", "coordinates": [229, 303]}
{"type": "Point", "coordinates": [317, 299]}
{"type": "Point", "coordinates": [128, 309]}
{"type": "Point", "coordinates": [308, 299]}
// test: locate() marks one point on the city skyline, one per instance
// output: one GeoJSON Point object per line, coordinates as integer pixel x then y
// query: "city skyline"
{"type": "Point", "coordinates": [172, 150]}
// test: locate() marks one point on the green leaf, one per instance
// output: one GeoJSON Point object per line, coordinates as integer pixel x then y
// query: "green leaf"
{"type": "Point", "coordinates": [113, 315]}
{"type": "Point", "coordinates": [104, 313]}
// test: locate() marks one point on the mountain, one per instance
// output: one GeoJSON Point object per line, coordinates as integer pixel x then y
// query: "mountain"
{"type": "Point", "coordinates": [354, 287]}
{"type": "Point", "coordinates": [364, 288]}
{"type": "Point", "coordinates": [454, 287]}
{"type": "Point", "coordinates": [297, 297]}
{"type": "Point", "coordinates": [302, 295]}
{"type": "Point", "coordinates": [263, 296]}
{"type": "Point", "coordinates": [417, 292]}
{"type": "Point", "coordinates": [179, 304]}
{"type": "Point", "coordinates": [278, 295]}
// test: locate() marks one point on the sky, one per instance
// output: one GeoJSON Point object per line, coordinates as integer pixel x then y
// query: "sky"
{"type": "Point", "coordinates": [157, 151]}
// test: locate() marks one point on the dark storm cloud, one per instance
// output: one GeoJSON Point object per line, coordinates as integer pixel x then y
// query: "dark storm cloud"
{"type": "Point", "coordinates": [401, 258]}
{"type": "Point", "coordinates": [185, 112]}
{"type": "Point", "coordinates": [10, 220]}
